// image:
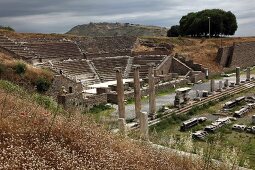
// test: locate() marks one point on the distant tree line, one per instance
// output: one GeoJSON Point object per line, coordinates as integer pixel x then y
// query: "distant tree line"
{"type": "Point", "coordinates": [196, 24]}
{"type": "Point", "coordinates": [8, 28]}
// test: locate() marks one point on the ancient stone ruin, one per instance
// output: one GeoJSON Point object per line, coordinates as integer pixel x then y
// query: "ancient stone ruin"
{"type": "Point", "coordinates": [239, 55]}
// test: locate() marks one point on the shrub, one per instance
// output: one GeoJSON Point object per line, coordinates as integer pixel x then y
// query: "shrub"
{"type": "Point", "coordinates": [20, 68]}
{"type": "Point", "coordinates": [42, 85]}
{"type": "Point", "coordinates": [2, 69]}
{"type": "Point", "coordinates": [99, 108]}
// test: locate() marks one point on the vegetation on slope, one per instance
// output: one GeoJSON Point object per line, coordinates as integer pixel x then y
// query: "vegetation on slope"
{"type": "Point", "coordinates": [34, 137]}
{"type": "Point", "coordinates": [24, 74]}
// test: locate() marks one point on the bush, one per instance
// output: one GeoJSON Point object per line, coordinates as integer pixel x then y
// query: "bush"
{"type": "Point", "coordinates": [42, 85]}
{"type": "Point", "coordinates": [99, 108]}
{"type": "Point", "coordinates": [2, 69]}
{"type": "Point", "coordinates": [20, 68]}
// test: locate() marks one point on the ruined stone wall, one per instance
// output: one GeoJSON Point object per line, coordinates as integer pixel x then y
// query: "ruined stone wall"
{"type": "Point", "coordinates": [189, 63]}
{"type": "Point", "coordinates": [59, 81]}
{"type": "Point", "coordinates": [224, 56]}
{"type": "Point", "coordinates": [155, 52]}
{"type": "Point", "coordinates": [243, 55]}
{"type": "Point", "coordinates": [238, 55]}
{"type": "Point", "coordinates": [165, 67]}
{"type": "Point", "coordinates": [179, 67]}
{"type": "Point", "coordinates": [80, 102]}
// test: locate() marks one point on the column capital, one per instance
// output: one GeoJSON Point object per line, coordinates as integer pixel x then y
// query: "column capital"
{"type": "Point", "coordinates": [118, 69]}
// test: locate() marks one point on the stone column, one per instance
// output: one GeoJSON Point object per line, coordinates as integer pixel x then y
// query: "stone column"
{"type": "Point", "coordinates": [197, 94]}
{"type": "Point", "coordinates": [237, 75]}
{"type": "Point", "coordinates": [226, 84]}
{"type": "Point", "coordinates": [144, 126]}
{"type": "Point", "coordinates": [152, 95]}
{"type": "Point", "coordinates": [122, 126]}
{"type": "Point", "coordinates": [177, 101]}
{"type": "Point", "coordinates": [137, 92]}
{"type": "Point", "coordinates": [206, 73]}
{"type": "Point", "coordinates": [212, 85]}
{"type": "Point", "coordinates": [248, 74]}
{"type": "Point", "coordinates": [120, 93]}
{"type": "Point", "coordinates": [220, 85]}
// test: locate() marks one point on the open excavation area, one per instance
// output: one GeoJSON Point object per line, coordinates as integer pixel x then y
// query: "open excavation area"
{"type": "Point", "coordinates": [128, 96]}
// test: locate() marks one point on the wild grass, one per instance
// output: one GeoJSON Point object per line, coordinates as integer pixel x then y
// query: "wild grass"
{"type": "Point", "coordinates": [34, 137]}
{"type": "Point", "coordinates": [22, 73]}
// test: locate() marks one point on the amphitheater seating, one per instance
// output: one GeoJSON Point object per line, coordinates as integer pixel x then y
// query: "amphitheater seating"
{"type": "Point", "coordinates": [76, 69]}
{"type": "Point", "coordinates": [143, 61]}
{"type": "Point", "coordinates": [106, 46]}
{"type": "Point", "coordinates": [16, 48]}
{"type": "Point", "coordinates": [105, 67]}
{"type": "Point", "coordinates": [55, 50]}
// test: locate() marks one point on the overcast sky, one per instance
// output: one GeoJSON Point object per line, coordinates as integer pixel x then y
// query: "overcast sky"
{"type": "Point", "coordinates": [59, 16]}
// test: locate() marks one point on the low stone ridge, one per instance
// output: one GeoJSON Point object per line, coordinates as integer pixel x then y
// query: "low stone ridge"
{"type": "Point", "coordinates": [117, 29]}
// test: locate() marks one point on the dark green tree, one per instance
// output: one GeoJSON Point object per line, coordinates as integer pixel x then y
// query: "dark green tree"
{"type": "Point", "coordinates": [174, 31]}
{"type": "Point", "coordinates": [197, 23]}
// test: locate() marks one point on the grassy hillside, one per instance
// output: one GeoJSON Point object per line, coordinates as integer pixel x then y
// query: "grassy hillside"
{"type": "Point", "coordinates": [22, 73]}
{"type": "Point", "coordinates": [37, 134]}
{"type": "Point", "coordinates": [117, 29]}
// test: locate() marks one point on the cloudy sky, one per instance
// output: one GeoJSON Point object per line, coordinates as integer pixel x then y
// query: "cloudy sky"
{"type": "Point", "coordinates": [59, 16]}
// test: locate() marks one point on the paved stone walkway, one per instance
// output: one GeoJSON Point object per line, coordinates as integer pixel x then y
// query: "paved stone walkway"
{"type": "Point", "coordinates": [169, 98]}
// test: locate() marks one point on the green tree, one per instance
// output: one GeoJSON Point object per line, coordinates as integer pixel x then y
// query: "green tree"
{"type": "Point", "coordinates": [197, 23]}
{"type": "Point", "coordinates": [174, 31]}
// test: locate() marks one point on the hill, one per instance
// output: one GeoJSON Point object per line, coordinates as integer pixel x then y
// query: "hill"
{"type": "Point", "coordinates": [117, 29]}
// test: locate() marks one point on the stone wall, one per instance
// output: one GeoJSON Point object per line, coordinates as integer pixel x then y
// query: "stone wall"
{"type": "Point", "coordinates": [165, 67]}
{"type": "Point", "coordinates": [224, 56]}
{"type": "Point", "coordinates": [80, 102]}
{"type": "Point", "coordinates": [179, 67]}
{"type": "Point", "coordinates": [238, 55]}
{"type": "Point", "coordinates": [189, 63]}
{"type": "Point", "coordinates": [70, 86]}
{"type": "Point", "coordinates": [243, 55]}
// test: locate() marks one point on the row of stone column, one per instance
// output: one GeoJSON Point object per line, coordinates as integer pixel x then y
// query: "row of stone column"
{"type": "Point", "coordinates": [226, 83]}
{"type": "Point", "coordinates": [141, 117]}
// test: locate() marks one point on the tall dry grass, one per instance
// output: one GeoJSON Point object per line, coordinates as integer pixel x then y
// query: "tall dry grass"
{"type": "Point", "coordinates": [32, 137]}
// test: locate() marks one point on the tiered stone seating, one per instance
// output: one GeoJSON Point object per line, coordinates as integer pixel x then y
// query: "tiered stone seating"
{"type": "Point", "coordinates": [55, 50]}
{"type": "Point", "coordinates": [16, 48]}
{"type": "Point", "coordinates": [76, 69]}
{"type": "Point", "coordinates": [143, 61]}
{"type": "Point", "coordinates": [105, 67]}
{"type": "Point", "coordinates": [106, 46]}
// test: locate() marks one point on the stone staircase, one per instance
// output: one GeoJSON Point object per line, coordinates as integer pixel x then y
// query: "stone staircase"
{"type": "Point", "coordinates": [129, 67]}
